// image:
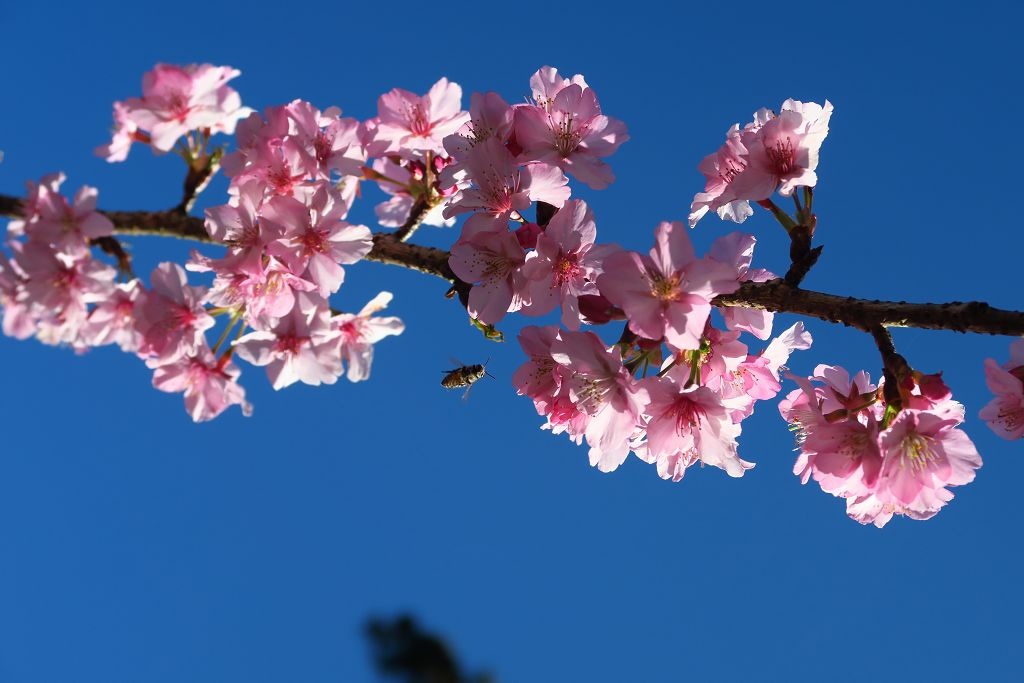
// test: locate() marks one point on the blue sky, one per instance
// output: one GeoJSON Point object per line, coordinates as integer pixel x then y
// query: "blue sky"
{"type": "Point", "coordinates": [137, 546]}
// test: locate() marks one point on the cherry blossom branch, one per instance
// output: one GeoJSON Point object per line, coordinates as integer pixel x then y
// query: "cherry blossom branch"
{"type": "Point", "coordinates": [867, 314]}
{"type": "Point", "coordinates": [775, 295]}
{"type": "Point", "coordinates": [387, 248]}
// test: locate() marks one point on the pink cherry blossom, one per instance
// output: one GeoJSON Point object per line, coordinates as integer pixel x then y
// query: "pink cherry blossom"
{"type": "Point", "coordinates": [782, 153]}
{"type": "Point", "coordinates": [303, 347]}
{"type": "Point", "coordinates": [408, 124]}
{"type": "Point", "coordinates": [545, 84]}
{"type": "Point", "coordinates": [330, 143]}
{"type": "Point", "coordinates": [176, 100]}
{"type": "Point", "coordinates": [1005, 413]}
{"type": "Point", "coordinates": [602, 388]}
{"type": "Point", "coordinates": [69, 227]}
{"type": "Point", "coordinates": [264, 294]}
{"type": "Point", "coordinates": [359, 332]}
{"type": "Point", "coordinates": [667, 294]}
{"type": "Point", "coordinates": [112, 320]}
{"type": "Point", "coordinates": [688, 425]}
{"type": "Point", "coordinates": [170, 316]}
{"type": "Point", "coordinates": [312, 240]}
{"type": "Point", "coordinates": [48, 184]}
{"type": "Point", "coordinates": [238, 226]}
{"type": "Point", "coordinates": [56, 282]}
{"type": "Point", "coordinates": [565, 264]}
{"type": "Point", "coordinates": [209, 385]}
{"type": "Point", "coordinates": [490, 116]}
{"type": "Point", "coordinates": [502, 186]}
{"type": "Point", "coordinates": [720, 169]}
{"type": "Point", "coordinates": [924, 454]}
{"type": "Point", "coordinates": [569, 131]}
{"type": "Point", "coordinates": [489, 255]}
{"type": "Point", "coordinates": [536, 378]}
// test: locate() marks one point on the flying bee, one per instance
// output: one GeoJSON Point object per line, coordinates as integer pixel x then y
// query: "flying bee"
{"type": "Point", "coordinates": [464, 376]}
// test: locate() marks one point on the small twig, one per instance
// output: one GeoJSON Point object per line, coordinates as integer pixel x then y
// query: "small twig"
{"type": "Point", "coordinates": [200, 173]}
{"type": "Point", "coordinates": [894, 368]}
{"type": "Point", "coordinates": [416, 216]}
{"type": "Point", "coordinates": [110, 245]}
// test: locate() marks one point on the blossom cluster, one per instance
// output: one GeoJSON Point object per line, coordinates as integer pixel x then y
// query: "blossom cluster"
{"type": "Point", "coordinates": [882, 464]}
{"type": "Point", "coordinates": [674, 389]}
{"type": "Point", "coordinates": [294, 175]}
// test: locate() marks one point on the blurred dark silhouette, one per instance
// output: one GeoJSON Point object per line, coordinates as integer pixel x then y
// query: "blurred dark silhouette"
{"type": "Point", "coordinates": [405, 652]}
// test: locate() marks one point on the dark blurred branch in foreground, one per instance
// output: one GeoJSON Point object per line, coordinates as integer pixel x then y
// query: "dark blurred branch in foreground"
{"type": "Point", "coordinates": [403, 651]}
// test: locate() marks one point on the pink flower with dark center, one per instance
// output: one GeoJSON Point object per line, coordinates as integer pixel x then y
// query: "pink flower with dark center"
{"type": "Point", "coordinates": [210, 385]}
{"type": "Point", "coordinates": [688, 425]}
{"type": "Point", "coordinates": [112, 321]}
{"type": "Point", "coordinates": [605, 391]}
{"type": "Point", "coordinates": [330, 143]}
{"type": "Point", "coordinates": [667, 295]}
{"type": "Point", "coordinates": [237, 225]}
{"type": "Point", "coordinates": [254, 135]}
{"type": "Point", "coordinates": [359, 332]}
{"type": "Point", "coordinates": [303, 347]}
{"type": "Point", "coordinates": [264, 295]}
{"type": "Point", "coordinates": [170, 316]}
{"type": "Point", "coordinates": [489, 255]}
{"type": "Point", "coordinates": [69, 227]}
{"type": "Point", "coordinates": [503, 187]}
{"type": "Point", "coordinates": [782, 152]}
{"type": "Point", "coordinates": [565, 264]}
{"type": "Point", "coordinates": [923, 454]}
{"type": "Point", "coordinates": [408, 124]}
{"type": "Point", "coordinates": [312, 240]}
{"type": "Point", "coordinates": [569, 131]}
{"type": "Point", "coordinates": [176, 100]}
{"type": "Point", "coordinates": [537, 378]}
{"type": "Point", "coordinates": [490, 116]}
{"type": "Point", "coordinates": [55, 282]}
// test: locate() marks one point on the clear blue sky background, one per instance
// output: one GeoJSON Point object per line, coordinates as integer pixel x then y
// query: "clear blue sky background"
{"type": "Point", "coordinates": [137, 546]}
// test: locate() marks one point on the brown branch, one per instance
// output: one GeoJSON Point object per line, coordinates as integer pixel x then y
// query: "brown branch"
{"type": "Point", "coordinates": [416, 216]}
{"type": "Point", "coordinates": [866, 314]}
{"type": "Point", "coordinates": [775, 295]}
{"type": "Point", "coordinates": [174, 223]}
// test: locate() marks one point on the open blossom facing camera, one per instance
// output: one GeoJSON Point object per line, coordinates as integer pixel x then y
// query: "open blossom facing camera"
{"type": "Point", "coordinates": [566, 128]}
{"type": "Point", "coordinates": [175, 101]}
{"type": "Point", "coordinates": [412, 124]}
{"type": "Point", "coordinates": [775, 152]}
{"type": "Point", "coordinates": [667, 295]}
